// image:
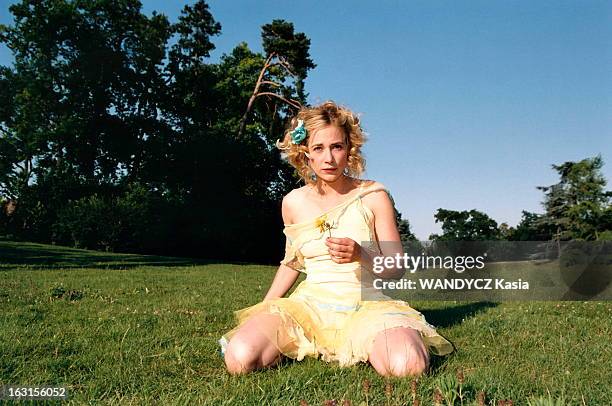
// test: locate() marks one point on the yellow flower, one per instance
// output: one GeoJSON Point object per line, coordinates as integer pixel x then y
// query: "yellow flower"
{"type": "Point", "coordinates": [320, 223]}
{"type": "Point", "coordinates": [323, 225]}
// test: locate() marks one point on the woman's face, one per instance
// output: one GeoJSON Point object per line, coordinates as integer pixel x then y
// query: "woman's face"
{"type": "Point", "coordinates": [328, 153]}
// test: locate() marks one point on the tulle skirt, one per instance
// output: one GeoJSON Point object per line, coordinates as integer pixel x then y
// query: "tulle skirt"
{"type": "Point", "coordinates": [335, 331]}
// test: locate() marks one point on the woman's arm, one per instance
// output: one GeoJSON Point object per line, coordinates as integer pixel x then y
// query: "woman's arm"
{"type": "Point", "coordinates": [385, 227]}
{"type": "Point", "coordinates": [285, 276]}
{"type": "Point", "coordinates": [283, 281]}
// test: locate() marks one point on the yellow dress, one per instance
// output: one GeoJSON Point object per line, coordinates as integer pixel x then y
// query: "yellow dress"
{"type": "Point", "coordinates": [325, 315]}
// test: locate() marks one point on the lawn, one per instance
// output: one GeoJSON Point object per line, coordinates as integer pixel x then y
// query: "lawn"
{"type": "Point", "coordinates": [134, 329]}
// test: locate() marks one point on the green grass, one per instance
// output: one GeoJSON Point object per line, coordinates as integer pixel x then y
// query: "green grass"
{"type": "Point", "coordinates": [135, 329]}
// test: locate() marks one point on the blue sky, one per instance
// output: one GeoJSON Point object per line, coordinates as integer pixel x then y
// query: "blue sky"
{"type": "Point", "coordinates": [466, 103]}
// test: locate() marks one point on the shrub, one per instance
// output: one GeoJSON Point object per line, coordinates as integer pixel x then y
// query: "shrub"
{"type": "Point", "coordinates": [89, 222]}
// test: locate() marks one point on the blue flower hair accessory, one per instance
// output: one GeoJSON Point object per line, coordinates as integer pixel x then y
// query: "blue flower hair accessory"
{"type": "Point", "coordinates": [299, 133]}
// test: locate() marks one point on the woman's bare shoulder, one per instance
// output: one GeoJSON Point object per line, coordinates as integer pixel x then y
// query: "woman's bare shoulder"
{"type": "Point", "coordinates": [290, 201]}
{"type": "Point", "coordinates": [376, 188]}
{"type": "Point", "coordinates": [294, 196]}
{"type": "Point", "coordinates": [379, 195]}
{"type": "Point", "coordinates": [371, 184]}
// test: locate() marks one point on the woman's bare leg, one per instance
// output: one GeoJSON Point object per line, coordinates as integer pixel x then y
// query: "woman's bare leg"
{"type": "Point", "coordinates": [399, 351]}
{"type": "Point", "coordinates": [250, 348]}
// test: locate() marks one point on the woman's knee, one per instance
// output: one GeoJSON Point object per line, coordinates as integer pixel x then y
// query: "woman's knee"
{"type": "Point", "coordinates": [240, 356]}
{"type": "Point", "coordinates": [250, 348]}
{"type": "Point", "coordinates": [399, 352]}
{"type": "Point", "coordinates": [409, 362]}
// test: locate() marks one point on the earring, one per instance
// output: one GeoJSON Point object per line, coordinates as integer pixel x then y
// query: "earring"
{"type": "Point", "coordinates": [346, 171]}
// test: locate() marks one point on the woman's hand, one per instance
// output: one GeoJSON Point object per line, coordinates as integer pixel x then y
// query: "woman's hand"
{"type": "Point", "coordinates": [343, 250]}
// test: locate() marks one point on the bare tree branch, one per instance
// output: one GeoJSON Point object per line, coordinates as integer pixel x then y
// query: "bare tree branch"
{"type": "Point", "coordinates": [260, 81]}
{"type": "Point", "coordinates": [254, 95]}
{"type": "Point", "coordinates": [269, 82]}
{"type": "Point", "coordinates": [285, 66]}
{"type": "Point", "coordinates": [291, 102]}
{"type": "Point", "coordinates": [268, 60]}
{"type": "Point", "coordinates": [270, 130]}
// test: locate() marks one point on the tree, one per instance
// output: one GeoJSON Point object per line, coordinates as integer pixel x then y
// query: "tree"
{"type": "Point", "coordinates": [15, 156]}
{"type": "Point", "coordinates": [287, 56]}
{"type": "Point", "coordinates": [81, 102]}
{"type": "Point", "coordinates": [576, 207]}
{"type": "Point", "coordinates": [471, 225]}
{"type": "Point", "coordinates": [530, 228]}
{"type": "Point", "coordinates": [85, 85]}
{"type": "Point", "coordinates": [98, 111]}
{"type": "Point", "coordinates": [505, 231]}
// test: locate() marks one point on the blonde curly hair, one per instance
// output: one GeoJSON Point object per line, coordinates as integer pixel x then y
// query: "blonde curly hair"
{"type": "Point", "coordinates": [316, 118]}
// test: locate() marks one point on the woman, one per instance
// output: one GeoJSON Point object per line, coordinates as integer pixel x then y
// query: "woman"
{"type": "Point", "coordinates": [328, 223]}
